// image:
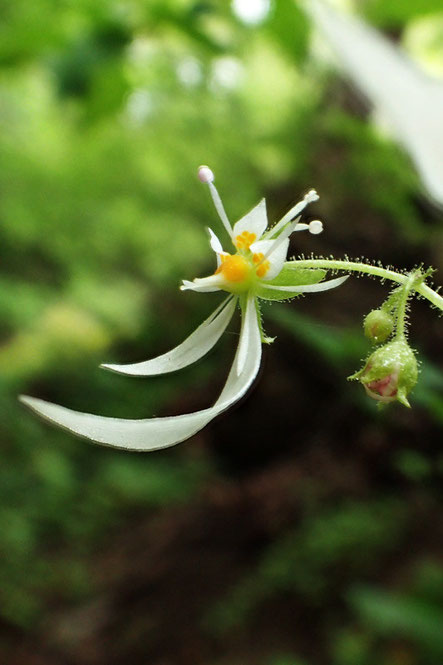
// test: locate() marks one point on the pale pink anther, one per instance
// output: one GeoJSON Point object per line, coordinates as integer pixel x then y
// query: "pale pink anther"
{"type": "Point", "coordinates": [205, 174]}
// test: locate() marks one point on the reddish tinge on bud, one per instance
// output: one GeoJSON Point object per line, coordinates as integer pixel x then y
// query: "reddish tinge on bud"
{"type": "Point", "coordinates": [390, 372]}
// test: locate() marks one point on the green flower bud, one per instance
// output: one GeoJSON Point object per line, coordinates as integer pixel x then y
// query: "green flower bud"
{"type": "Point", "coordinates": [390, 372]}
{"type": "Point", "coordinates": [378, 325]}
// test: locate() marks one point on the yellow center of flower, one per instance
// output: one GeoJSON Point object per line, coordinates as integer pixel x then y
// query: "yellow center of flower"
{"type": "Point", "coordinates": [263, 267]}
{"type": "Point", "coordinates": [234, 268]}
{"type": "Point", "coordinates": [245, 240]}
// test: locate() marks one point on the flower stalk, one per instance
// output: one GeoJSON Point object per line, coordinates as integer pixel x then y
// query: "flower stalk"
{"type": "Point", "coordinates": [376, 271]}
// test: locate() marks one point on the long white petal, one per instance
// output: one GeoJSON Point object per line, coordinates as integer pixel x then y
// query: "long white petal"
{"type": "Point", "coordinates": [155, 433]}
{"type": "Point", "coordinates": [407, 98]}
{"type": "Point", "coordinates": [192, 349]}
{"type": "Point", "coordinates": [255, 221]}
{"type": "Point", "coordinates": [244, 343]}
{"type": "Point", "coordinates": [310, 288]}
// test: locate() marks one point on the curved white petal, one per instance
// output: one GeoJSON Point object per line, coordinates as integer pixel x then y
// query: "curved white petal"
{"type": "Point", "coordinates": [192, 349]}
{"type": "Point", "coordinates": [255, 221]}
{"type": "Point", "coordinates": [250, 328]}
{"type": "Point", "coordinates": [409, 100]}
{"type": "Point", "coordinates": [311, 288]}
{"type": "Point", "coordinates": [274, 252]}
{"type": "Point", "coordinates": [216, 246]}
{"type": "Point", "coordinates": [155, 433]}
{"type": "Point", "coordinates": [203, 284]}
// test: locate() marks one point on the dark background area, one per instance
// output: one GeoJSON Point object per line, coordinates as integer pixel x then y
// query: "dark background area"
{"type": "Point", "coordinates": [303, 526]}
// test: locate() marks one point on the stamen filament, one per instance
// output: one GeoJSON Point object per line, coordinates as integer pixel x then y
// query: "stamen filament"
{"type": "Point", "coordinates": [278, 241]}
{"type": "Point", "coordinates": [219, 208]}
{"type": "Point", "coordinates": [310, 197]}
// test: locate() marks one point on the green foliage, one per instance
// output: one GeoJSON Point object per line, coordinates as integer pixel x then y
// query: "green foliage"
{"type": "Point", "coordinates": [353, 536]}
{"type": "Point", "coordinates": [412, 618]}
{"type": "Point", "coordinates": [337, 347]}
{"type": "Point", "coordinates": [415, 615]}
{"type": "Point", "coordinates": [290, 28]}
{"type": "Point", "coordinates": [286, 660]}
{"type": "Point", "coordinates": [396, 13]}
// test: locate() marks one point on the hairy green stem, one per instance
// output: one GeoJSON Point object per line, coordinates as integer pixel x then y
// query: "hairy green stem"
{"type": "Point", "coordinates": [405, 292]}
{"type": "Point", "coordinates": [368, 269]}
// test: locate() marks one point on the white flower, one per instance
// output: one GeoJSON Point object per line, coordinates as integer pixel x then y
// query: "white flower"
{"type": "Point", "coordinates": [407, 99]}
{"type": "Point", "coordinates": [257, 269]}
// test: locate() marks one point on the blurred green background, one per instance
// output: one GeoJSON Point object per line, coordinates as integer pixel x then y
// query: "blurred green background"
{"type": "Point", "coordinates": [301, 528]}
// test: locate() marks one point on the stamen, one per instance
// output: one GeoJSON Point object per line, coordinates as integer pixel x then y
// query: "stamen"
{"type": "Point", "coordinates": [315, 227]}
{"type": "Point", "coordinates": [262, 266]}
{"type": "Point", "coordinates": [206, 176]}
{"type": "Point", "coordinates": [234, 268]}
{"type": "Point", "coordinates": [310, 197]}
{"type": "Point", "coordinates": [281, 238]}
{"type": "Point", "coordinates": [245, 240]}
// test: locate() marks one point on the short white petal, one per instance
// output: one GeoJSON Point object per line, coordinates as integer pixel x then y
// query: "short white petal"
{"type": "Point", "coordinates": [215, 243]}
{"type": "Point", "coordinates": [192, 349]}
{"type": "Point", "coordinates": [409, 100]}
{"type": "Point", "coordinates": [255, 221]}
{"type": "Point", "coordinates": [311, 288]}
{"type": "Point", "coordinates": [203, 284]}
{"type": "Point", "coordinates": [276, 258]}
{"type": "Point", "coordinates": [155, 433]}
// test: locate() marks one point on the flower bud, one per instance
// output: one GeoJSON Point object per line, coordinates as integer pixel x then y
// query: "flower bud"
{"type": "Point", "coordinates": [390, 372]}
{"type": "Point", "coordinates": [378, 325]}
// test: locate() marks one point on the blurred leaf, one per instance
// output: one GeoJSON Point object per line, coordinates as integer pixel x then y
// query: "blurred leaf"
{"type": "Point", "coordinates": [350, 537]}
{"type": "Point", "coordinates": [352, 647]}
{"type": "Point", "coordinates": [407, 617]}
{"type": "Point", "coordinates": [338, 347]}
{"type": "Point", "coordinates": [286, 660]}
{"type": "Point", "coordinates": [395, 13]}
{"type": "Point", "coordinates": [289, 27]}
{"type": "Point", "coordinates": [413, 465]}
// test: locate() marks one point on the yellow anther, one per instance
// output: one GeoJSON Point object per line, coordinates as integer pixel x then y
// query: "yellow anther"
{"type": "Point", "coordinates": [245, 240]}
{"type": "Point", "coordinates": [234, 268]}
{"type": "Point", "coordinates": [262, 268]}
